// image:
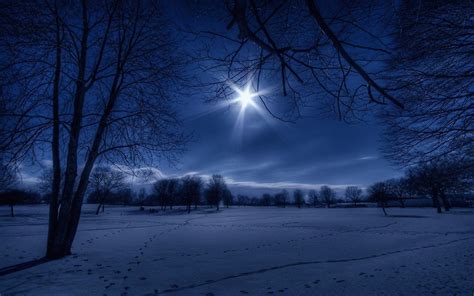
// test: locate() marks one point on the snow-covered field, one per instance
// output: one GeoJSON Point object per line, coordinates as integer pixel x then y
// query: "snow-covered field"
{"type": "Point", "coordinates": [246, 251]}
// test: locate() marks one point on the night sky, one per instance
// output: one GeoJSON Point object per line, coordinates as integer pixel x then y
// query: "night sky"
{"type": "Point", "coordinates": [270, 154]}
{"type": "Point", "coordinates": [265, 153]}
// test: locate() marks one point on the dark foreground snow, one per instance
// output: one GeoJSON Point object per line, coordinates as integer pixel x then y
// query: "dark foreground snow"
{"type": "Point", "coordinates": [246, 251]}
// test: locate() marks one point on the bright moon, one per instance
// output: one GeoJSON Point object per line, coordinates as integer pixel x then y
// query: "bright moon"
{"type": "Point", "coordinates": [245, 97]}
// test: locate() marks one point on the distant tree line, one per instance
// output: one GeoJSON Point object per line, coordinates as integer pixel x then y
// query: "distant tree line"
{"type": "Point", "coordinates": [190, 191]}
{"type": "Point", "coordinates": [436, 180]}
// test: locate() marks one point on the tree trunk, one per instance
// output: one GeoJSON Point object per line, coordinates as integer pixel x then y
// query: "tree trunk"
{"type": "Point", "coordinates": [60, 243]}
{"type": "Point", "coordinates": [436, 203]}
{"type": "Point", "coordinates": [402, 202]}
{"type": "Point", "coordinates": [11, 211]}
{"type": "Point", "coordinates": [445, 202]}
{"type": "Point", "coordinates": [103, 207]}
{"type": "Point", "coordinates": [98, 209]}
{"type": "Point", "coordinates": [383, 209]}
{"type": "Point", "coordinates": [54, 204]}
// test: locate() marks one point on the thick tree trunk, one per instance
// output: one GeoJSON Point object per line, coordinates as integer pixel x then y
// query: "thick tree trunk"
{"type": "Point", "coordinates": [59, 245]}
{"type": "Point", "coordinates": [54, 204]}
{"type": "Point", "coordinates": [11, 211]}
{"type": "Point", "coordinates": [91, 158]}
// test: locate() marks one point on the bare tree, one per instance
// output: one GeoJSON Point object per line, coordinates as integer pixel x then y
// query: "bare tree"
{"type": "Point", "coordinates": [227, 198]}
{"type": "Point", "coordinates": [298, 197]}
{"type": "Point", "coordinates": [437, 179]}
{"type": "Point", "coordinates": [166, 190]}
{"type": "Point", "coordinates": [399, 189]}
{"type": "Point", "coordinates": [354, 194]}
{"type": "Point", "coordinates": [327, 195]}
{"type": "Point", "coordinates": [86, 81]}
{"type": "Point", "coordinates": [104, 181]}
{"type": "Point", "coordinates": [141, 196]}
{"type": "Point", "coordinates": [215, 190]}
{"type": "Point", "coordinates": [313, 198]}
{"type": "Point", "coordinates": [285, 197]}
{"type": "Point", "coordinates": [243, 200]}
{"type": "Point", "coordinates": [191, 190]}
{"type": "Point", "coordinates": [379, 192]}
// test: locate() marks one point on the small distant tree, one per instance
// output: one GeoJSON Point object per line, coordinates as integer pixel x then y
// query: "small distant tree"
{"type": "Point", "coordinates": [298, 196]}
{"type": "Point", "coordinates": [191, 190]}
{"type": "Point", "coordinates": [398, 189]}
{"type": "Point", "coordinates": [313, 198]}
{"type": "Point", "coordinates": [354, 194]}
{"type": "Point", "coordinates": [254, 201]}
{"type": "Point", "coordinates": [380, 193]}
{"type": "Point", "coordinates": [215, 190]}
{"type": "Point", "coordinates": [12, 198]}
{"type": "Point", "coordinates": [227, 197]}
{"type": "Point", "coordinates": [141, 196]}
{"type": "Point", "coordinates": [104, 181]}
{"type": "Point", "coordinates": [160, 188]}
{"type": "Point", "coordinates": [327, 195]}
{"type": "Point", "coordinates": [173, 192]}
{"type": "Point", "coordinates": [242, 200]}
{"type": "Point", "coordinates": [285, 197]}
{"type": "Point", "coordinates": [266, 200]}
{"type": "Point", "coordinates": [123, 196]}
{"type": "Point", "coordinates": [166, 190]}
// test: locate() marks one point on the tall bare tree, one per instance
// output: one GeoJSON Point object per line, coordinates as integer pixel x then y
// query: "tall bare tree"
{"type": "Point", "coordinates": [354, 194]}
{"type": "Point", "coordinates": [399, 189]}
{"type": "Point", "coordinates": [327, 195]}
{"type": "Point", "coordinates": [298, 198]}
{"type": "Point", "coordinates": [104, 181]}
{"type": "Point", "coordinates": [191, 189]}
{"type": "Point", "coordinates": [215, 189]}
{"type": "Point", "coordinates": [84, 81]}
{"type": "Point", "coordinates": [438, 179]}
{"type": "Point", "coordinates": [379, 192]}
{"type": "Point", "coordinates": [313, 197]}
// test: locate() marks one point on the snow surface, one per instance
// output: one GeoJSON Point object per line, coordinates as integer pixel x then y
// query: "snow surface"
{"type": "Point", "coordinates": [246, 251]}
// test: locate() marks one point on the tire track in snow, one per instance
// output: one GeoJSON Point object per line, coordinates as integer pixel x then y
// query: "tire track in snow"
{"type": "Point", "coordinates": [301, 263]}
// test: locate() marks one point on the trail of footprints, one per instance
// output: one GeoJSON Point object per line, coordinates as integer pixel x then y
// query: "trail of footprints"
{"type": "Point", "coordinates": [291, 241]}
{"type": "Point", "coordinates": [122, 276]}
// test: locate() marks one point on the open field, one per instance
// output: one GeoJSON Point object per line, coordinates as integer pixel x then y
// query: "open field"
{"type": "Point", "coordinates": [246, 251]}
